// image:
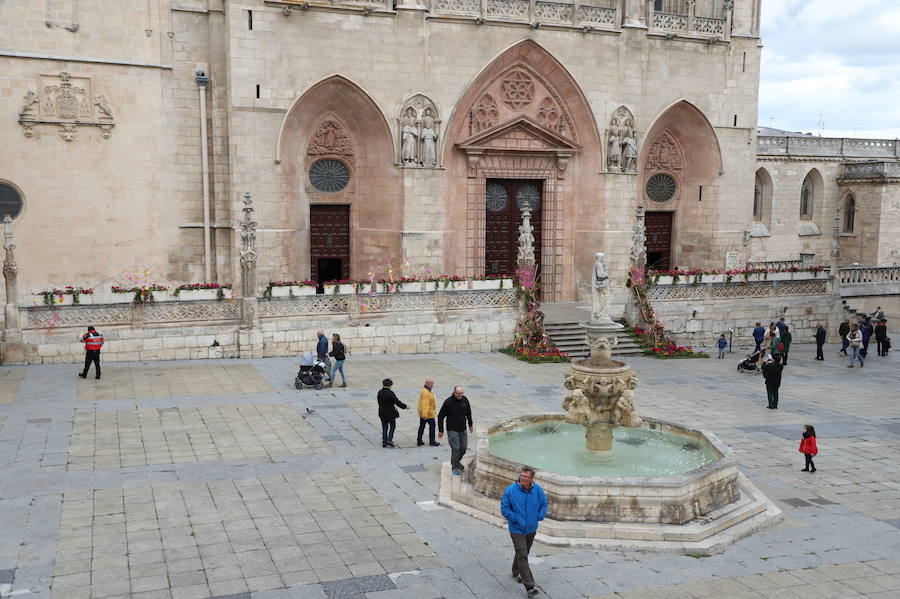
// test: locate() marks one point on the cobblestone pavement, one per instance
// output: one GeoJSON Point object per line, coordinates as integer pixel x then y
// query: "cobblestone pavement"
{"type": "Point", "coordinates": [219, 479]}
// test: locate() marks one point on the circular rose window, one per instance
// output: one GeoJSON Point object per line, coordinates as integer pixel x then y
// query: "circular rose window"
{"type": "Point", "coordinates": [329, 175]}
{"type": "Point", "coordinates": [661, 187]}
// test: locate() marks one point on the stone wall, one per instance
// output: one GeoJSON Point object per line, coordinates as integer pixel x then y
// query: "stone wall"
{"type": "Point", "coordinates": [375, 324]}
{"type": "Point", "coordinates": [697, 314]}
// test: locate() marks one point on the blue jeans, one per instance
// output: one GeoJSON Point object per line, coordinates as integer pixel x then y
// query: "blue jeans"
{"type": "Point", "coordinates": [721, 352]}
{"type": "Point", "coordinates": [844, 345]}
{"type": "Point", "coordinates": [856, 354]}
{"type": "Point", "coordinates": [338, 367]}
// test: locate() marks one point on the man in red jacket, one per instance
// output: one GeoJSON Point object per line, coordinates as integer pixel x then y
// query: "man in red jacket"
{"type": "Point", "coordinates": [93, 341]}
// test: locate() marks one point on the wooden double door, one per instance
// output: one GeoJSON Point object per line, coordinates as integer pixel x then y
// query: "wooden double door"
{"type": "Point", "coordinates": [329, 242]}
{"type": "Point", "coordinates": [504, 200]}
{"type": "Point", "coordinates": [658, 227]}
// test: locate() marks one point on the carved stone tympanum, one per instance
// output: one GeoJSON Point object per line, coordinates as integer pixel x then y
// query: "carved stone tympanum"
{"type": "Point", "coordinates": [330, 138]}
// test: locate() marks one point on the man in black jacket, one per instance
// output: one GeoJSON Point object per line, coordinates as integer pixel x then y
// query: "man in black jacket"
{"type": "Point", "coordinates": [842, 332]}
{"type": "Point", "coordinates": [880, 336]}
{"type": "Point", "coordinates": [387, 412]}
{"type": "Point", "coordinates": [820, 341]}
{"type": "Point", "coordinates": [457, 411]}
{"type": "Point", "coordinates": [772, 373]}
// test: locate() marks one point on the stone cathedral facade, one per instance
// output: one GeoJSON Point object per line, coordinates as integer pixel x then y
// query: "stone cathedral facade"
{"type": "Point", "coordinates": [377, 133]}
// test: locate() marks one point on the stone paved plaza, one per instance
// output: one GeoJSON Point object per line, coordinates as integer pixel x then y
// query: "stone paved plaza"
{"type": "Point", "coordinates": [219, 479]}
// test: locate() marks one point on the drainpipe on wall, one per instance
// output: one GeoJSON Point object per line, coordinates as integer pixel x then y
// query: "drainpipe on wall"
{"type": "Point", "coordinates": [202, 80]}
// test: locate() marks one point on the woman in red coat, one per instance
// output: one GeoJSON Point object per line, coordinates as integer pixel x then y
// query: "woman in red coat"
{"type": "Point", "coordinates": [808, 447]}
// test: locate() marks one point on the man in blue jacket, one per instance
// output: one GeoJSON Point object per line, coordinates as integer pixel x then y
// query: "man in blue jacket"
{"type": "Point", "coordinates": [524, 505]}
{"type": "Point", "coordinates": [759, 334]}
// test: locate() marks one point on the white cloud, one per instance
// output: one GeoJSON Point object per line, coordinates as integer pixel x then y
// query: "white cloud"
{"type": "Point", "coordinates": [833, 58]}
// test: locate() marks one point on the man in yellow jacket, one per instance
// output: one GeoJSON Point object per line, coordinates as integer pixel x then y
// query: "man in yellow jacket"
{"type": "Point", "coordinates": [427, 410]}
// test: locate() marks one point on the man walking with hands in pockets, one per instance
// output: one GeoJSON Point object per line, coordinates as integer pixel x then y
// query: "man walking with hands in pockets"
{"type": "Point", "coordinates": [524, 504]}
{"type": "Point", "coordinates": [457, 411]}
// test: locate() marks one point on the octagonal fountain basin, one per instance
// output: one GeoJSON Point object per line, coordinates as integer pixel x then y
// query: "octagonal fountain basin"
{"type": "Point", "coordinates": [661, 472]}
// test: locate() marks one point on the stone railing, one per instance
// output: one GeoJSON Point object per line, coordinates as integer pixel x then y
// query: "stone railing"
{"type": "Point", "coordinates": [752, 288]}
{"type": "Point", "coordinates": [601, 14]}
{"type": "Point", "coordinates": [229, 311]}
{"type": "Point", "coordinates": [708, 18]}
{"type": "Point", "coordinates": [871, 170]}
{"type": "Point", "coordinates": [870, 276]}
{"type": "Point", "coordinates": [838, 147]}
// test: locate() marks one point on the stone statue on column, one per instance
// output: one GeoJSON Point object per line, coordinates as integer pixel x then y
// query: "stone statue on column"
{"type": "Point", "coordinates": [600, 280]}
{"type": "Point", "coordinates": [12, 345]}
{"type": "Point", "coordinates": [638, 257]}
{"type": "Point", "coordinates": [409, 149]}
{"type": "Point", "coordinates": [614, 143]}
{"type": "Point", "coordinates": [525, 257]}
{"type": "Point", "coordinates": [428, 139]}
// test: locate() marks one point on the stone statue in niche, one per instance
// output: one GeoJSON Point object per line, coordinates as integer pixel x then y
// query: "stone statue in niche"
{"type": "Point", "coordinates": [615, 149]}
{"type": "Point", "coordinates": [419, 127]}
{"type": "Point", "coordinates": [409, 150]}
{"type": "Point", "coordinates": [428, 137]}
{"type": "Point", "coordinates": [623, 148]}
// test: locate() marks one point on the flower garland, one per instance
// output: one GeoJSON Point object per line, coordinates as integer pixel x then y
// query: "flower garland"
{"type": "Point", "coordinates": [654, 340]}
{"type": "Point", "coordinates": [532, 343]}
{"type": "Point", "coordinates": [55, 296]}
{"type": "Point", "coordinates": [220, 289]}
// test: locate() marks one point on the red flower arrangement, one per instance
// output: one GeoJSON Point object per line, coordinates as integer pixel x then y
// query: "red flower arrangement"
{"type": "Point", "coordinates": [532, 343]}
{"type": "Point", "coordinates": [654, 340]}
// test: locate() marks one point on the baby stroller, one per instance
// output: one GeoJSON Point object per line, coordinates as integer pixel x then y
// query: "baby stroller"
{"type": "Point", "coordinates": [312, 373]}
{"type": "Point", "coordinates": [750, 363]}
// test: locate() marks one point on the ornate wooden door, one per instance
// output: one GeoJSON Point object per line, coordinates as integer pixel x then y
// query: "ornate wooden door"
{"type": "Point", "coordinates": [329, 242]}
{"type": "Point", "coordinates": [504, 199]}
{"type": "Point", "coordinates": [659, 239]}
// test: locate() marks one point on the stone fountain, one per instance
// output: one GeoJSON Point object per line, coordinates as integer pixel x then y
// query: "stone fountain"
{"type": "Point", "coordinates": [602, 389]}
{"type": "Point", "coordinates": [633, 483]}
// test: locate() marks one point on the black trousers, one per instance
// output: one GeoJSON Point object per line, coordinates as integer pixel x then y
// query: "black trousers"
{"type": "Point", "coordinates": [91, 355]}
{"type": "Point", "coordinates": [819, 355]}
{"type": "Point", "coordinates": [388, 426]}
{"type": "Point", "coordinates": [865, 348]}
{"type": "Point", "coordinates": [772, 393]}
{"type": "Point", "coordinates": [881, 349]}
{"type": "Point", "coordinates": [809, 463]}
{"type": "Point", "coordinates": [422, 423]}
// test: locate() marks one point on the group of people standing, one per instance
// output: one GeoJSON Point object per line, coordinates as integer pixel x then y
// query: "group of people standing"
{"type": "Point", "coordinates": [856, 336]}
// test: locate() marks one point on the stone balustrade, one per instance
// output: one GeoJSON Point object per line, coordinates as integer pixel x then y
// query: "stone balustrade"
{"type": "Point", "coordinates": [881, 275]}
{"type": "Point", "coordinates": [838, 147]}
{"type": "Point", "coordinates": [599, 14]}
{"type": "Point", "coordinates": [871, 170]}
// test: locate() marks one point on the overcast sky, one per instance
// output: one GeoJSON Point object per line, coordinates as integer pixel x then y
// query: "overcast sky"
{"type": "Point", "coordinates": [836, 58]}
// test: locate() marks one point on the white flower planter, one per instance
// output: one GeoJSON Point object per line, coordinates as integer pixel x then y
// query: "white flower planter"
{"type": "Point", "coordinates": [161, 296]}
{"type": "Point", "coordinates": [342, 289]}
{"type": "Point", "coordinates": [451, 285]}
{"type": "Point", "coordinates": [713, 278]}
{"type": "Point", "coordinates": [429, 286]}
{"type": "Point", "coordinates": [190, 295]}
{"type": "Point", "coordinates": [293, 290]}
{"type": "Point", "coordinates": [411, 287]}
{"type": "Point", "coordinates": [67, 299]}
{"type": "Point", "coordinates": [776, 276]}
{"type": "Point", "coordinates": [506, 284]}
{"type": "Point", "coordinates": [666, 280]}
{"type": "Point", "coordinates": [487, 284]}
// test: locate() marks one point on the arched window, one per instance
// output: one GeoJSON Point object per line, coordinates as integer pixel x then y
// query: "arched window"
{"type": "Point", "coordinates": [757, 198]}
{"type": "Point", "coordinates": [10, 201]}
{"type": "Point", "coordinates": [806, 199]}
{"type": "Point", "coordinates": [849, 213]}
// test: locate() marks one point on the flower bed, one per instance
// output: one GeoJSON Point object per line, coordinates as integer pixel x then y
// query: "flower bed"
{"type": "Point", "coordinates": [535, 356]}
{"type": "Point", "coordinates": [202, 291]}
{"type": "Point", "coordinates": [446, 283]}
{"type": "Point", "coordinates": [67, 296]}
{"type": "Point", "coordinates": [144, 294]}
{"type": "Point", "coordinates": [532, 343]}
{"type": "Point", "coordinates": [289, 289]}
{"type": "Point", "coordinates": [340, 286]}
{"type": "Point", "coordinates": [491, 282]}
{"type": "Point", "coordinates": [665, 351]}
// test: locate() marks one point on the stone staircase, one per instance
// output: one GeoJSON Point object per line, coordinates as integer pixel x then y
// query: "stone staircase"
{"type": "Point", "coordinates": [569, 337]}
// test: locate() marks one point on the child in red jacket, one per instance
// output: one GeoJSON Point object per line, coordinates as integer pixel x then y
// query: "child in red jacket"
{"type": "Point", "coordinates": [808, 447]}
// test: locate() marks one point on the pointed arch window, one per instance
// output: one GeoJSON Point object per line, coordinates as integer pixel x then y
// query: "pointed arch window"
{"type": "Point", "coordinates": [849, 213]}
{"type": "Point", "coordinates": [807, 191]}
{"type": "Point", "coordinates": [757, 198]}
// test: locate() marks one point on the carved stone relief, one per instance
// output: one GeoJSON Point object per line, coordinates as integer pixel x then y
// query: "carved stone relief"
{"type": "Point", "coordinates": [68, 103]}
{"type": "Point", "coordinates": [518, 89]}
{"type": "Point", "coordinates": [330, 138]}
{"type": "Point", "coordinates": [621, 144]}
{"type": "Point", "coordinates": [419, 130]}
{"type": "Point", "coordinates": [485, 114]}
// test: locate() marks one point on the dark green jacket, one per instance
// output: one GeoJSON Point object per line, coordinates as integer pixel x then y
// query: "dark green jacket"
{"type": "Point", "coordinates": [786, 339]}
